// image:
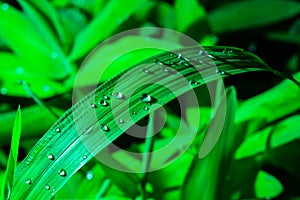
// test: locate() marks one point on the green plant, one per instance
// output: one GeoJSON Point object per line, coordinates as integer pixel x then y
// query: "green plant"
{"type": "Point", "coordinates": [42, 45]}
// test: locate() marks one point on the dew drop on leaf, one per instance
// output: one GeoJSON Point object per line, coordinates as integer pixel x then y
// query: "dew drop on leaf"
{"type": "Point", "coordinates": [105, 97]}
{"type": "Point", "coordinates": [104, 127]}
{"type": "Point", "coordinates": [193, 82]}
{"type": "Point", "coordinates": [121, 121]}
{"type": "Point", "coordinates": [146, 98]}
{"type": "Point", "coordinates": [158, 62]}
{"type": "Point", "coordinates": [202, 53]}
{"type": "Point", "coordinates": [134, 113]}
{"type": "Point", "coordinates": [103, 103]}
{"type": "Point", "coordinates": [54, 55]}
{"type": "Point", "coordinates": [220, 71]}
{"type": "Point", "coordinates": [89, 175]}
{"type": "Point", "coordinates": [46, 88]}
{"type": "Point", "coordinates": [19, 70]}
{"type": "Point", "coordinates": [147, 71]}
{"type": "Point", "coordinates": [93, 105]}
{"type": "Point", "coordinates": [28, 181]}
{"type": "Point", "coordinates": [89, 130]}
{"type": "Point", "coordinates": [53, 192]}
{"type": "Point", "coordinates": [50, 157]}
{"type": "Point", "coordinates": [3, 91]}
{"type": "Point", "coordinates": [62, 173]}
{"type": "Point", "coordinates": [47, 187]}
{"type": "Point", "coordinates": [119, 96]}
{"type": "Point", "coordinates": [5, 6]}
{"type": "Point", "coordinates": [58, 130]}
{"type": "Point", "coordinates": [146, 108]}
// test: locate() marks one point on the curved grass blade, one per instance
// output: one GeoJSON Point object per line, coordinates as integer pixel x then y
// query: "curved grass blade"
{"type": "Point", "coordinates": [62, 150]}
{"type": "Point", "coordinates": [7, 186]}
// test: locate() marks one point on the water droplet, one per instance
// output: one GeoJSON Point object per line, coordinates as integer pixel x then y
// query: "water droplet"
{"type": "Point", "coordinates": [105, 97]}
{"type": "Point", "coordinates": [147, 71]}
{"type": "Point", "coordinates": [103, 103]}
{"type": "Point", "coordinates": [220, 71]}
{"type": "Point", "coordinates": [53, 192]}
{"type": "Point", "coordinates": [134, 113]}
{"type": "Point", "coordinates": [84, 156]}
{"type": "Point", "coordinates": [51, 157]}
{"type": "Point", "coordinates": [89, 175]}
{"type": "Point", "coordinates": [179, 56]}
{"type": "Point", "coordinates": [46, 88]}
{"type": "Point", "coordinates": [58, 130]}
{"type": "Point", "coordinates": [104, 127]}
{"type": "Point", "coordinates": [47, 187]}
{"type": "Point", "coordinates": [119, 96]}
{"type": "Point", "coordinates": [210, 56]}
{"type": "Point", "coordinates": [193, 82]}
{"type": "Point", "coordinates": [146, 98]}
{"type": "Point", "coordinates": [93, 105]}
{"type": "Point", "coordinates": [54, 55]}
{"type": "Point", "coordinates": [203, 53]}
{"type": "Point", "coordinates": [228, 52]}
{"type": "Point", "coordinates": [158, 62]}
{"type": "Point", "coordinates": [62, 173]}
{"type": "Point", "coordinates": [146, 108]}
{"type": "Point", "coordinates": [5, 6]}
{"type": "Point", "coordinates": [164, 69]}
{"type": "Point", "coordinates": [121, 121]}
{"type": "Point", "coordinates": [20, 70]}
{"type": "Point", "coordinates": [28, 181]}
{"type": "Point", "coordinates": [89, 130]}
{"type": "Point", "coordinates": [3, 91]}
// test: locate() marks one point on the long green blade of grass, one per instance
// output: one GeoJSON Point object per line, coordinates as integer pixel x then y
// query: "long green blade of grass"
{"type": "Point", "coordinates": [63, 149]}
{"type": "Point", "coordinates": [7, 186]}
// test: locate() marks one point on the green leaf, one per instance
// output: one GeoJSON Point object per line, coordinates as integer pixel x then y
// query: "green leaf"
{"type": "Point", "coordinates": [109, 19]}
{"type": "Point", "coordinates": [259, 110]}
{"type": "Point", "coordinates": [274, 136]}
{"type": "Point", "coordinates": [284, 36]}
{"type": "Point", "coordinates": [187, 12]}
{"type": "Point", "coordinates": [267, 186]}
{"type": "Point", "coordinates": [7, 186]}
{"type": "Point", "coordinates": [64, 140]}
{"type": "Point", "coordinates": [215, 163]}
{"type": "Point", "coordinates": [48, 10]}
{"type": "Point", "coordinates": [49, 37]}
{"type": "Point", "coordinates": [29, 44]}
{"type": "Point", "coordinates": [240, 15]}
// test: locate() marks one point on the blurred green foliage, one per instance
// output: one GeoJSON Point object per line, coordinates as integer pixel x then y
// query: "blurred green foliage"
{"type": "Point", "coordinates": [43, 43]}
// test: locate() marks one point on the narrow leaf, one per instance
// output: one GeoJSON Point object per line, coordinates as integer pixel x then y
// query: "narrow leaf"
{"type": "Point", "coordinates": [77, 136]}
{"type": "Point", "coordinates": [239, 15]}
{"type": "Point", "coordinates": [7, 187]}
